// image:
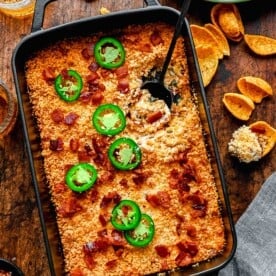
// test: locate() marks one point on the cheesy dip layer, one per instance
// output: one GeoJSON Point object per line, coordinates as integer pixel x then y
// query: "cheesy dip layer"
{"type": "Point", "coordinates": [173, 182]}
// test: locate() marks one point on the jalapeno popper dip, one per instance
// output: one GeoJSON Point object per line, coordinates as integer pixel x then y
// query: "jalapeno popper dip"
{"type": "Point", "coordinates": [130, 179]}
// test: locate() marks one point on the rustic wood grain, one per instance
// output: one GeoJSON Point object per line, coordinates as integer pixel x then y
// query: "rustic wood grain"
{"type": "Point", "coordinates": [21, 237]}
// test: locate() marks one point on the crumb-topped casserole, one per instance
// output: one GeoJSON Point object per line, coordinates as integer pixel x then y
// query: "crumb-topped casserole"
{"type": "Point", "coordinates": [169, 176]}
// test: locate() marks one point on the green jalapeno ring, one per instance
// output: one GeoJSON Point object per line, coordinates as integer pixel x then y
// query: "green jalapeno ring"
{"type": "Point", "coordinates": [124, 154]}
{"type": "Point", "coordinates": [81, 177]}
{"type": "Point", "coordinates": [126, 215]}
{"type": "Point", "coordinates": [143, 234]}
{"type": "Point", "coordinates": [69, 89]}
{"type": "Point", "coordinates": [109, 53]}
{"type": "Point", "coordinates": [109, 119]}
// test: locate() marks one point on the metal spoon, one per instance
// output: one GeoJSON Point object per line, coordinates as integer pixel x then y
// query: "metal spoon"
{"type": "Point", "coordinates": [156, 86]}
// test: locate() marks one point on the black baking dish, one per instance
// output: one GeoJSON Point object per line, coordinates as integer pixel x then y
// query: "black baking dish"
{"type": "Point", "coordinates": [40, 38]}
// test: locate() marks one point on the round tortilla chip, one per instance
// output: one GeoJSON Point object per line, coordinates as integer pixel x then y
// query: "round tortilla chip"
{"type": "Point", "coordinates": [255, 88]}
{"type": "Point", "coordinates": [261, 45]}
{"type": "Point", "coordinates": [220, 37]}
{"type": "Point", "coordinates": [203, 37]}
{"type": "Point", "coordinates": [227, 18]}
{"type": "Point", "coordinates": [239, 105]}
{"type": "Point", "coordinates": [208, 63]}
{"type": "Point", "coordinates": [266, 134]}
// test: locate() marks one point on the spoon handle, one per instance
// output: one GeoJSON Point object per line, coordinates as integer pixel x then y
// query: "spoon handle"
{"type": "Point", "coordinates": [177, 31]}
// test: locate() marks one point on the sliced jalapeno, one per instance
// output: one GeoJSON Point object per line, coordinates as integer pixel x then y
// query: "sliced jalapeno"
{"type": "Point", "coordinates": [109, 53]}
{"type": "Point", "coordinates": [126, 215]}
{"type": "Point", "coordinates": [81, 177]}
{"type": "Point", "coordinates": [109, 119]}
{"type": "Point", "coordinates": [143, 234]}
{"type": "Point", "coordinates": [68, 85]}
{"type": "Point", "coordinates": [124, 154]}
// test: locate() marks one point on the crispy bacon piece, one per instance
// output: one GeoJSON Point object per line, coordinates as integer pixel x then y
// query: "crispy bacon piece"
{"type": "Point", "coordinates": [156, 38]}
{"type": "Point", "coordinates": [56, 144]}
{"type": "Point", "coordinates": [93, 67]}
{"type": "Point", "coordinates": [70, 207]}
{"type": "Point", "coordinates": [160, 199]}
{"type": "Point", "coordinates": [189, 247]}
{"type": "Point", "coordinates": [139, 177]}
{"type": "Point", "coordinates": [183, 259]}
{"type": "Point", "coordinates": [162, 251]}
{"type": "Point", "coordinates": [111, 264]}
{"type": "Point", "coordinates": [49, 75]}
{"type": "Point", "coordinates": [93, 78]}
{"type": "Point", "coordinates": [111, 197]}
{"type": "Point", "coordinates": [99, 245]}
{"type": "Point", "coordinates": [103, 220]}
{"type": "Point", "coordinates": [179, 181]}
{"type": "Point", "coordinates": [122, 71]}
{"type": "Point", "coordinates": [74, 144]}
{"type": "Point", "coordinates": [94, 195]}
{"type": "Point", "coordinates": [191, 231]}
{"type": "Point", "coordinates": [117, 238]}
{"type": "Point", "coordinates": [57, 115]}
{"type": "Point", "coordinates": [97, 98]}
{"type": "Point", "coordinates": [71, 118]}
{"type": "Point", "coordinates": [123, 85]}
{"type": "Point", "coordinates": [89, 261]}
{"type": "Point", "coordinates": [154, 116]}
{"type": "Point", "coordinates": [86, 53]}
{"type": "Point", "coordinates": [146, 47]}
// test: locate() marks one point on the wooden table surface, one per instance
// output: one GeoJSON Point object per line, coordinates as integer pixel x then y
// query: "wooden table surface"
{"type": "Point", "coordinates": [20, 231]}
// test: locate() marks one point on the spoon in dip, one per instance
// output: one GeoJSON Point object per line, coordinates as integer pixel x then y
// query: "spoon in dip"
{"type": "Point", "coordinates": [156, 86]}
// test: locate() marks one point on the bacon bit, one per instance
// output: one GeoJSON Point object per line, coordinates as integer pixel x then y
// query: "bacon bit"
{"type": "Point", "coordinates": [162, 199]}
{"type": "Point", "coordinates": [122, 71]}
{"type": "Point", "coordinates": [162, 251]}
{"type": "Point", "coordinates": [155, 38]}
{"type": "Point", "coordinates": [189, 247]}
{"type": "Point", "coordinates": [119, 250]}
{"type": "Point", "coordinates": [70, 118]}
{"type": "Point", "coordinates": [94, 196]}
{"type": "Point", "coordinates": [86, 53]}
{"type": "Point", "coordinates": [178, 180]}
{"type": "Point", "coordinates": [117, 238]}
{"type": "Point", "coordinates": [60, 188]}
{"type": "Point", "coordinates": [198, 201]}
{"type": "Point", "coordinates": [146, 47]}
{"type": "Point", "coordinates": [56, 144]}
{"type": "Point", "coordinates": [74, 144]}
{"type": "Point", "coordinates": [124, 183]}
{"type": "Point", "coordinates": [69, 208]}
{"type": "Point", "coordinates": [104, 73]}
{"type": "Point", "coordinates": [77, 272]}
{"type": "Point", "coordinates": [89, 261]}
{"type": "Point", "coordinates": [110, 197]}
{"type": "Point", "coordinates": [84, 156]}
{"type": "Point", "coordinates": [154, 116]}
{"type": "Point", "coordinates": [85, 97]}
{"type": "Point", "coordinates": [93, 78]}
{"type": "Point", "coordinates": [57, 115]}
{"type": "Point", "coordinates": [93, 67]}
{"type": "Point", "coordinates": [123, 85]}
{"type": "Point", "coordinates": [102, 220]}
{"type": "Point", "coordinates": [139, 177]}
{"type": "Point", "coordinates": [183, 259]}
{"type": "Point", "coordinates": [191, 231]}
{"type": "Point", "coordinates": [49, 75]}
{"type": "Point", "coordinates": [99, 245]}
{"type": "Point", "coordinates": [164, 265]}
{"type": "Point", "coordinates": [97, 98]}
{"type": "Point", "coordinates": [111, 264]}
{"type": "Point", "coordinates": [102, 233]}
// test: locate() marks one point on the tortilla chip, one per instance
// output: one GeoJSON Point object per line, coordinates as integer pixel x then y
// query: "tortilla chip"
{"type": "Point", "coordinates": [266, 134]}
{"type": "Point", "coordinates": [203, 37]}
{"type": "Point", "coordinates": [261, 45]}
{"type": "Point", "coordinates": [240, 106]}
{"type": "Point", "coordinates": [255, 88]}
{"type": "Point", "coordinates": [227, 18]}
{"type": "Point", "coordinates": [220, 37]}
{"type": "Point", "coordinates": [208, 63]}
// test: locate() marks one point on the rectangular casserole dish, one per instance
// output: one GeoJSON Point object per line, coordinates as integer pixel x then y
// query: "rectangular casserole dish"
{"type": "Point", "coordinates": [32, 43]}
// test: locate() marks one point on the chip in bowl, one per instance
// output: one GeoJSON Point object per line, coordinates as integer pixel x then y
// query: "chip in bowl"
{"type": "Point", "coordinates": [239, 105]}
{"type": "Point", "coordinates": [255, 88]}
{"type": "Point", "coordinates": [261, 45]}
{"type": "Point", "coordinates": [203, 37]}
{"type": "Point", "coordinates": [266, 135]}
{"type": "Point", "coordinates": [227, 18]}
{"type": "Point", "coordinates": [208, 63]}
{"type": "Point", "coordinates": [220, 37]}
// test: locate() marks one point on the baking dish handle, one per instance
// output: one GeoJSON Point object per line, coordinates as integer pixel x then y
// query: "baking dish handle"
{"type": "Point", "coordinates": [152, 2]}
{"type": "Point", "coordinates": [39, 12]}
